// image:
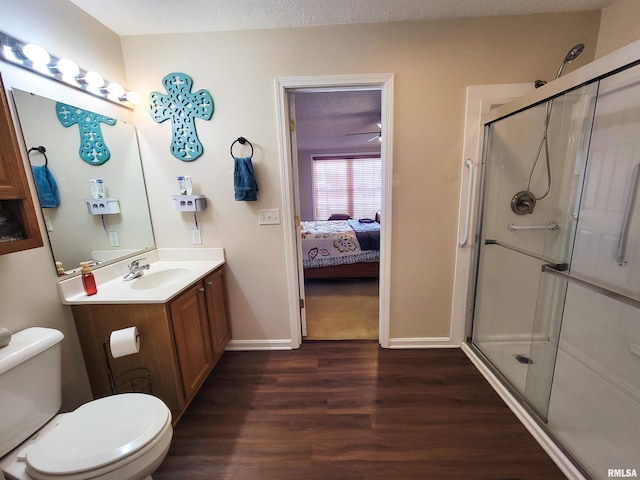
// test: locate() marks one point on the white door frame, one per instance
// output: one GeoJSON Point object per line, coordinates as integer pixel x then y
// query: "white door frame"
{"type": "Point", "coordinates": [385, 83]}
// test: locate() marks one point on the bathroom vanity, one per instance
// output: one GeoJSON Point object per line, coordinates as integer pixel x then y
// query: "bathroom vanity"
{"type": "Point", "coordinates": [183, 326]}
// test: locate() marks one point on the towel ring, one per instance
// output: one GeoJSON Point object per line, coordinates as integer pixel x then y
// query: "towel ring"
{"type": "Point", "coordinates": [242, 141]}
{"type": "Point", "coordinates": [42, 150]}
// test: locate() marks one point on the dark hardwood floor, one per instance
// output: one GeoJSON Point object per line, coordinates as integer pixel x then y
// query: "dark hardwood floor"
{"type": "Point", "coordinates": [350, 410]}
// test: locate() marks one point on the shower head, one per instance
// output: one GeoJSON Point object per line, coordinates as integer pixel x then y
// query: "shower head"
{"type": "Point", "coordinates": [571, 55]}
{"type": "Point", "coordinates": [574, 52]}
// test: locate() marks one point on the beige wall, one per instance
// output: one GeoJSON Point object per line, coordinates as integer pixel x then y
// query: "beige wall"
{"type": "Point", "coordinates": [433, 63]}
{"type": "Point", "coordinates": [28, 291]}
{"type": "Point", "coordinates": [618, 26]}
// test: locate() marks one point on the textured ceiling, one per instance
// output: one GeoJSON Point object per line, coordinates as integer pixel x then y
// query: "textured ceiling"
{"type": "Point", "coordinates": [142, 17]}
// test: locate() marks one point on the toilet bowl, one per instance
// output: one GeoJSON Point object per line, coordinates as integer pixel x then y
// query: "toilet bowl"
{"type": "Point", "coordinates": [121, 437]}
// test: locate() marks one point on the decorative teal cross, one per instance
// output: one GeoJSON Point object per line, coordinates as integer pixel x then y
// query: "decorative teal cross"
{"type": "Point", "coordinates": [181, 107]}
{"type": "Point", "coordinates": [93, 149]}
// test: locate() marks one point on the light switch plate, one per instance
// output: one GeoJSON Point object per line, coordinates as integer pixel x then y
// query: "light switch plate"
{"type": "Point", "coordinates": [269, 216]}
{"type": "Point", "coordinates": [196, 239]}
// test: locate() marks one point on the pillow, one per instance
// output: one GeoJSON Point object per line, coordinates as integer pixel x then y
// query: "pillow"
{"type": "Point", "coordinates": [340, 216]}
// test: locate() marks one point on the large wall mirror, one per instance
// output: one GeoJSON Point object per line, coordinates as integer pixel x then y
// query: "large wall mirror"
{"type": "Point", "coordinates": [80, 231]}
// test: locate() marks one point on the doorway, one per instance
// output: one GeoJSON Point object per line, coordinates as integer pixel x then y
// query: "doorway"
{"type": "Point", "coordinates": [316, 90]}
{"type": "Point", "coordinates": [338, 138]}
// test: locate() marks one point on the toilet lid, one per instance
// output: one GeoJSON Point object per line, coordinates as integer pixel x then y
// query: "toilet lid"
{"type": "Point", "coordinates": [99, 433]}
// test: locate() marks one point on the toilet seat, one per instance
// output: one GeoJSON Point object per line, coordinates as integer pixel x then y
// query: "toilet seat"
{"type": "Point", "coordinates": [99, 437]}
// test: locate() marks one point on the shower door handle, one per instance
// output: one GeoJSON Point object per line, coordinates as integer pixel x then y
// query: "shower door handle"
{"type": "Point", "coordinates": [467, 220]}
{"type": "Point", "coordinates": [621, 252]}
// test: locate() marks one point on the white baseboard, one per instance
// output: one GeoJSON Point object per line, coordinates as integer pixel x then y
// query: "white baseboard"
{"type": "Point", "coordinates": [547, 444]}
{"type": "Point", "coordinates": [247, 345]}
{"type": "Point", "coordinates": [286, 344]}
{"type": "Point", "coordinates": [421, 342]}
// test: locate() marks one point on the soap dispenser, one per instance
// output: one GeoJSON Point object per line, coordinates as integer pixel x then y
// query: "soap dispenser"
{"type": "Point", "coordinates": [60, 269]}
{"type": "Point", "coordinates": [88, 281]}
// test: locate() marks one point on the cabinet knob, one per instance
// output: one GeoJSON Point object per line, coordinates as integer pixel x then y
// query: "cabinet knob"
{"type": "Point", "coordinates": [201, 289]}
{"type": "Point", "coordinates": [209, 282]}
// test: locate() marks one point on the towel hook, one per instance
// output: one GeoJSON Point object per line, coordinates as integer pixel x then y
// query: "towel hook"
{"type": "Point", "coordinates": [242, 141]}
{"type": "Point", "coordinates": [42, 150]}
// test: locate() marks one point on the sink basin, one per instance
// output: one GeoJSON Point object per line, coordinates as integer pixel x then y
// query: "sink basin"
{"type": "Point", "coordinates": [159, 278]}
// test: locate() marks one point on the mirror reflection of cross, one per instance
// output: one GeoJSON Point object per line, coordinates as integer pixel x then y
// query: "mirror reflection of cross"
{"type": "Point", "coordinates": [181, 107]}
{"type": "Point", "coordinates": [93, 148]}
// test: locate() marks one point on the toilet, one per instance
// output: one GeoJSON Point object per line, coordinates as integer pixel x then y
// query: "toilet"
{"type": "Point", "coordinates": [120, 437]}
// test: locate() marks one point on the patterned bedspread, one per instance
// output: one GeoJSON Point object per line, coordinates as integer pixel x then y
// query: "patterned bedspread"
{"type": "Point", "coordinates": [327, 243]}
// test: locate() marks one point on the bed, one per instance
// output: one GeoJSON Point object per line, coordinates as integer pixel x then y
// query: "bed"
{"type": "Point", "coordinates": [340, 248]}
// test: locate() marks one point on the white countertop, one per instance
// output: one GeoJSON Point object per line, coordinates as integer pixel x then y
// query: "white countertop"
{"type": "Point", "coordinates": [177, 269]}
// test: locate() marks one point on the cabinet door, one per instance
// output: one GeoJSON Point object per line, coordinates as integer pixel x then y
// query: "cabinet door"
{"type": "Point", "coordinates": [217, 312]}
{"type": "Point", "coordinates": [15, 196]}
{"type": "Point", "coordinates": [191, 332]}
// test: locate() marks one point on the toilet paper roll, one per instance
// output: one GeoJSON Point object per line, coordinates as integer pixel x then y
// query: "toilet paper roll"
{"type": "Point", "coordinates": [5, 337]}
{"type": "Point", "coordinates": [124, 342]}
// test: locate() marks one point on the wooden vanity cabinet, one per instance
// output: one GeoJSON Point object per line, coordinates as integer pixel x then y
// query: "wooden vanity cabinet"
{"type": "Point", "coordinates": [192, 338]}
{"type": "Point", "coordinates": [180, 341]}
{"type": "Point", "coordinates": [219, 323]}
{"type": "Point", "coordinates": [16, 202]}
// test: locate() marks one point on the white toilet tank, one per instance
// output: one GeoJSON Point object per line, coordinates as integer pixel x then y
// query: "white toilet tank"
{"type": "Point", "coordinates": [30, 384]}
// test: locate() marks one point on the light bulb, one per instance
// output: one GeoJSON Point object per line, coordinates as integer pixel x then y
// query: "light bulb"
{"type": "Point", "coordinates": [11, 54]}
{"type": "Point", "coordinates": [94, 79]}
{"type": "Point", "coordinates": [115, 89]}
{"type": "Point", "coordinates": [133, 97]}
{"type": "Point", "coordinates": [68, 67]}
{"type": "Point", "coordinates": [36, 54]}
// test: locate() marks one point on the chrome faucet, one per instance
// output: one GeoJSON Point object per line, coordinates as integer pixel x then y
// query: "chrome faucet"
{"type": "Point", "coordinates": [136, 270]}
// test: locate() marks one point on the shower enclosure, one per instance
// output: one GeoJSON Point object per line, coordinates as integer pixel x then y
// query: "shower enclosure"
{"type": "Point", "coordinates": [556, 308]}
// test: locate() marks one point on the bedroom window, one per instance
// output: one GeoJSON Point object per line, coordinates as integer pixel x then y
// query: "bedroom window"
{"type": "Point", "coordinates": [347, 184]}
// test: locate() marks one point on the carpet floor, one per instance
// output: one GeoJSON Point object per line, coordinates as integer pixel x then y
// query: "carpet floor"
{"type": "Point", "coordinates": [342, 309]}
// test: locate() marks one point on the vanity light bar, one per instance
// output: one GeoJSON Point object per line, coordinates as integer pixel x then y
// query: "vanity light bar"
{"type": "Point", "coordinates": [35, 58]}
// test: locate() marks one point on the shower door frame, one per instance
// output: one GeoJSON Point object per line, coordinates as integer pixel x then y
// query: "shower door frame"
{"type": "Point", "coordinates": [480, 100]}
{"type": "Point", "coordinates": [606, 66]}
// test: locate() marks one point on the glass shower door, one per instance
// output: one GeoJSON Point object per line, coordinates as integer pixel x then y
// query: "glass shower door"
{"type": "Point", "coordinates": [518, 311]}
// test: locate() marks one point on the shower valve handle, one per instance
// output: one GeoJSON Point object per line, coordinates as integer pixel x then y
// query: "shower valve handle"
{"type": "Point", "coordinates": [523, 203]}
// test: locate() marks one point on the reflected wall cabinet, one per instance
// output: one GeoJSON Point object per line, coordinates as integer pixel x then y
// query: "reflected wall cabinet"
{"type": "Point", "coordinates": [18, 222]}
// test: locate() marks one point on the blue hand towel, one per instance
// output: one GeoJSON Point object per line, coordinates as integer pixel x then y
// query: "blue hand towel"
{"type": "Point", "coordinates": [46, 186]}
{"type": "Point", "coordinates": [245, 185]}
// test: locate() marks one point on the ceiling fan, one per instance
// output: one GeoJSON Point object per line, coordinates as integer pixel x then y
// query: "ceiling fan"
{"type": "Point", "coordinates": [378, 134]}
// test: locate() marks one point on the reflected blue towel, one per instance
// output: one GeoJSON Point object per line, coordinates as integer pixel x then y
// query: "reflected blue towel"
{"type": "Point", "coordinates": [46, 186]}
{"type": "Point", "coordinates": [244, 181]}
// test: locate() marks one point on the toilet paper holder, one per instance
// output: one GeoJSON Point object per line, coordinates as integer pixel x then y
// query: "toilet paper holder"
{"type": "Point", "coordinates": [134, 380]}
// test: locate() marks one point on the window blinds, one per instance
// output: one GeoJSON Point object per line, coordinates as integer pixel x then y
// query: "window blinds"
{"type": "Point", "coordinates": [347, 184]}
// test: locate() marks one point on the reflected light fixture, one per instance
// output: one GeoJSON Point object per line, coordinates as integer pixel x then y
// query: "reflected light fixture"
{"type": "Point", "coordinates": [37, 59]}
